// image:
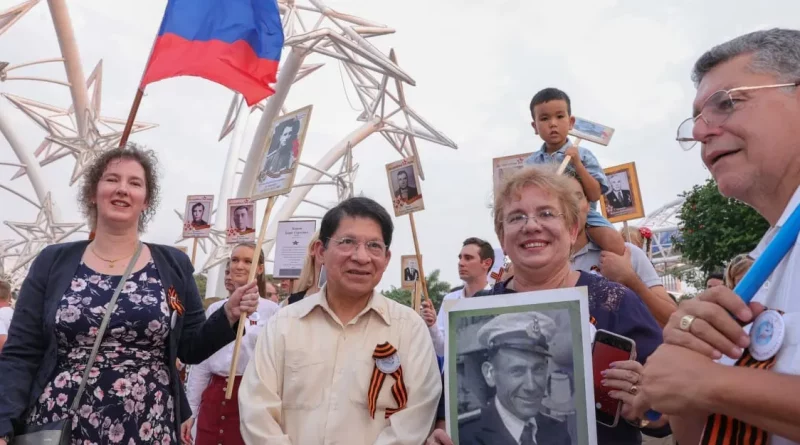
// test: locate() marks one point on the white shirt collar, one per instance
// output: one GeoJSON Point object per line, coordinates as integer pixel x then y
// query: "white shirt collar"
{"type": "Point", "coordinates": [762, 245]}
{"type": "Point", "coordinates": [512, 423]}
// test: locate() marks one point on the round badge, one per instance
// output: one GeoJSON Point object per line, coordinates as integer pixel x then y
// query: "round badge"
{"type": "Point", "coordinates": [255, 316]}
{"type": "Point", "coordinates": [766, 335]}
{"type": "Point", "coordinates": [389, 364]}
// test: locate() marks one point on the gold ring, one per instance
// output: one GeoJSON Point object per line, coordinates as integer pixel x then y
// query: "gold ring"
{"type": "Point", "coordinates": [686, 322]}
{"type": "Point", "coordinates": [634, 390]}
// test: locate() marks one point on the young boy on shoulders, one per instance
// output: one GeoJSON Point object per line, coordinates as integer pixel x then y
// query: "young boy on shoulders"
{"type": "Point", "coordinates": [551, 111]}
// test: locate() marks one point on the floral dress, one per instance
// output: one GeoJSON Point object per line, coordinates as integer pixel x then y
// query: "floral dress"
{"type": "Point", "coordinates": [127, 399]}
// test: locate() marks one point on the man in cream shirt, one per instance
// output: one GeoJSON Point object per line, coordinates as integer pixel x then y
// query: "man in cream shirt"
{"type": "Point", "coordinates": [346, 365]}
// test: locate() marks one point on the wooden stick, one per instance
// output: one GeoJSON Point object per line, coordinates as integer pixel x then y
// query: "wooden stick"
{"type": "Point", "coordinates": [137, 100]}
{"type": "Point", "coordinates": [419, 259]}
{"type": "Point", "coordinates": [194, 250]}
{"type": "Point", "coordinates": [416, 301]}
{"type": "Point", "coordinates": [563, 167]}
{"type": "Point", "coordinates": [243, 318]}
{"type": "Point", "coordinates": [627, 234]}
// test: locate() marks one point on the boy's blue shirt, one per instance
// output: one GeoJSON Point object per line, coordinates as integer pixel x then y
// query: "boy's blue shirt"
{"type": "Point", "coordinates": [588, 160]}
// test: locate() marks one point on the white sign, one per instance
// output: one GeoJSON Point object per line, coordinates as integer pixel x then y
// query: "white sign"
{"type": "Point", "coordinates": [291, 247]}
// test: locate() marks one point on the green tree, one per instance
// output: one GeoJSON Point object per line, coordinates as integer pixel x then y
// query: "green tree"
{"type": "Point", "coordinates": [714, 228]}
{"type": "Point", "coordinates": [201, 280]}
{"type": "Point", "coordinates": [437, 289]}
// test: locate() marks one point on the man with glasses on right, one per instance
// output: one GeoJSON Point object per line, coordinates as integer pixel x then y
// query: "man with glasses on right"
{"type": "Point", "coordinates": [719, 384]}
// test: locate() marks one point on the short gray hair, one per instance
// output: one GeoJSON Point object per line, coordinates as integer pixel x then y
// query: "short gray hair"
{"type": "Point", "coordinates": [775, 51]}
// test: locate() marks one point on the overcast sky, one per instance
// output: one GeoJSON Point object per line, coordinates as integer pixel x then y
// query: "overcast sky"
{"type": "Point", "coordinates": [477, 64]}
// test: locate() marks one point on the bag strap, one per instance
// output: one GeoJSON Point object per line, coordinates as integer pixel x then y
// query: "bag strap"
{"type": "Point", "coordinates": [100, 332]}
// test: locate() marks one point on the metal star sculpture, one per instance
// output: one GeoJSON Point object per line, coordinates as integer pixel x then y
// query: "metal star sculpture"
{"type": "Point", "coordinates": [13, 14]}
{"type": "Point", "coordinates": [60, 124]}
{"type": "Point", "coordinates": [40, 233]}
{"type": "Point", "coordinates": [346, 176]}
{"type": "Point", "coordinates": [402, 136]}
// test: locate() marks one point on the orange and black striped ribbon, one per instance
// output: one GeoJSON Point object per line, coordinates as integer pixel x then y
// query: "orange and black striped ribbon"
{"type": "Point", "coordinates": [174, 301]}
{"type": "Point", "coordinates": [399, 390]}
{"type": "Point", "coordinates": [724, 430]}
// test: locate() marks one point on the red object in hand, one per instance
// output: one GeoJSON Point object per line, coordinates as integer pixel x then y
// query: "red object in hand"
{"type": "Point", "coordinates": [646, 232]}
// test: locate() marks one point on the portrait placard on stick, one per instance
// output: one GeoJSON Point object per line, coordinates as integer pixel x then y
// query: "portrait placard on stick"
{"type": "Point", "coordinates": [197, 215]}
{"type": "Point", "coordinates": [291, 247]}
{"type": "Point", "coordinates": [623, 201]}
{"type": "Point", "coordinates": [409, 271]}
{"type": "Point", "coordinates": [404, 184]}
{"type": "Point", "coordinates": [591, 131]}
{"type": "Point", "coordinates": [241, 221]}
{"type": "Point", "coordinates": [550, 338]}
{"type": "Point", "coordinates": [505, 166]}
{"type": "Point", "coordinates": [278, 163]}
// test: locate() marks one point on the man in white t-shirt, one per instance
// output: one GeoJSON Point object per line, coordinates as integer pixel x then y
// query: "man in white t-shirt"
{"type": "Point", "coordinates": [5, 311]}
{"type": "Point", "coordinates": [474, 263]}
{"type": "Point", "coordinates": [746, 112]}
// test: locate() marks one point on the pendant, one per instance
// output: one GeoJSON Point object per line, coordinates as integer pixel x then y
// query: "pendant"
{"type": "Point", "coordinates": [766, 335]}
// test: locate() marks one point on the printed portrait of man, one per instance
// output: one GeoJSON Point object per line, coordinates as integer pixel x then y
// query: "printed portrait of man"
{"type": "Point", "coordinates": [196, 220]}
{"type": "Point", "coordinates": [619, 197]}
{"type": "Point", "coordinates": [241, 220]}
{"type": "Point", "coordinates": [411, 271]}
{"type": "Point", "coordinates": [283, 149]}
{"type": "Point", "coordinates": [405, 191]}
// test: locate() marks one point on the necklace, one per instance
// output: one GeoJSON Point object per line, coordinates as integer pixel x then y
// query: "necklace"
{"type": "Point", "coordinates": [110, 262]}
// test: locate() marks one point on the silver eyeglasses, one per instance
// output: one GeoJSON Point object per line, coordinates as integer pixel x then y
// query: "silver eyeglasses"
{"type": "Point", "coordinates": [520, 220]}
{"type": "Point", "coordinates": [715, 111]}
{"type": "Point", "coordinates": [349, 245]}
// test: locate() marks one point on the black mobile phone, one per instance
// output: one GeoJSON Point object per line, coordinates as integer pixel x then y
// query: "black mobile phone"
{"type": "Point", "coordinates": [608, 348]}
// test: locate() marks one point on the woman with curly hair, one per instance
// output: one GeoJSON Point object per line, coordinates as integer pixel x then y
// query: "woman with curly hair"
{"type": "Point", "coordinates": [132, 392]}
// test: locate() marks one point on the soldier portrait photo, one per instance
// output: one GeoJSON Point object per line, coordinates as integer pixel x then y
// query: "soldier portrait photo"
{"type": "Point", "coordinates": [520, 371]}
{"type": "Point", "coordinates": [197, 215]}
{"type": "Point", "coordinates": [404, 186]}
{"type": "Point", "coordinates": [623, 200]}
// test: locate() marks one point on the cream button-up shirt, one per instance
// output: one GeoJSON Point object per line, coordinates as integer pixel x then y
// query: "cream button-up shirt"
{"type": "Point", "coordinates": [308, 380]}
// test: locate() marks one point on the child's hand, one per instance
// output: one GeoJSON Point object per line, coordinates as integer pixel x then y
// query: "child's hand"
{"type": "Point", "coordinates": [572, 152]}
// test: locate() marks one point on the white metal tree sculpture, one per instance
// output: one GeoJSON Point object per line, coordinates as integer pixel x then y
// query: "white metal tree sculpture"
{"type": "Point", "coordinates": [374, 75]}
{"type": "Point", "coordinates": [63, 138]}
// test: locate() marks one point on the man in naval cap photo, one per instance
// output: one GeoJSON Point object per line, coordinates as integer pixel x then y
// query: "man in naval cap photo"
{"type": "Point", "coordinates": [516, 370]}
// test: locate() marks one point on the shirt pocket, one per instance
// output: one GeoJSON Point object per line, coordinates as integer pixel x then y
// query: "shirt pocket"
{"type": "Point", "coordinates": [359, 389]}
{"type": "Point", "coordinates": [302, 381]}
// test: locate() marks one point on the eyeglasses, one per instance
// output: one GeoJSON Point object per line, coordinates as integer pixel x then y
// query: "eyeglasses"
{"type": "Point", "coordinates": [715, 111]}
{"type": "Point", "coordinates": [348, 246]}
{"type": "Point", "coordinates": [520, 220]}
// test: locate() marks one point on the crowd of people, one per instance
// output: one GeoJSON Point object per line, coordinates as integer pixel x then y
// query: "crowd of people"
{"type": "Point", "coordinates": [102, 328]}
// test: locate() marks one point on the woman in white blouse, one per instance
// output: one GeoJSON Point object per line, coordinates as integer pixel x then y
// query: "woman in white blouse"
{"type": "Point", "coordinates": [217, 418]}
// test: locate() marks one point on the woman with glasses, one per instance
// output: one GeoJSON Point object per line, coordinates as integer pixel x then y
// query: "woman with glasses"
{"type": "Point", "coordinates": [217, 418]}
{"type": "Point", "coordinates": [537, 222]}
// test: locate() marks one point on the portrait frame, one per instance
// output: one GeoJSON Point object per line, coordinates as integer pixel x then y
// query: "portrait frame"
{"type": "Point", "coordinates": [234, 235]}
{"type": "Point", "coordinates": [613, 213]}
{"type": "Point", "coordinates": [466, 385]}
{"type": "Point", "coordinates": [592, 131]}
{"type": "Point", "coordinates": [506, 165]}
{"type": "Point", "coordinates": [415, 203]}
{"type": "Point", "coordinates": [190, 230]}
{"type": "Point", "coordinates": [408, 261]}
{"type": "Point", "coordinates": [277, 165]}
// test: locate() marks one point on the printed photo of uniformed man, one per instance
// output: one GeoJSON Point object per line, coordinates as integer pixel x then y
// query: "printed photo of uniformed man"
{"type": "Point", "coordinates": [404, 186]}
{"type": "Point", "coordinates": [622, 201]}
{"type": "Point", "coordinates": [278, 164]}
{"type": "Point", "coordinates": [241, 221]}
{"type": "Point", "coordinates": [197, 215]}
{"type": "Point", "coordinates": [517, 380]}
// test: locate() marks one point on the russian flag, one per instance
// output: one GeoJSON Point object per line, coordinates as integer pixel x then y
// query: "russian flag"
{"type": "Point", "coordinates": [236, 43]}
